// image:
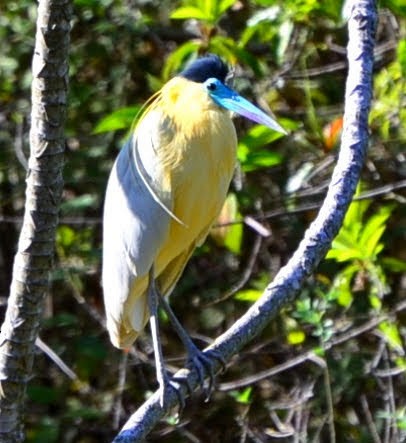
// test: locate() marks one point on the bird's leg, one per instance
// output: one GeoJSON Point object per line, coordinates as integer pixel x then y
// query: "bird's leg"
{"type": "Point", "coordinates": [196, 357]}
{"type": "Point", "coordinates": [161, 374]}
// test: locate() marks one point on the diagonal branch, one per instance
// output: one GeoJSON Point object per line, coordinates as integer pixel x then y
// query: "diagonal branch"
{"type": "Point", "coordinates": [318, 238]}
{"type": "Point", "coordinates": [33, 261]}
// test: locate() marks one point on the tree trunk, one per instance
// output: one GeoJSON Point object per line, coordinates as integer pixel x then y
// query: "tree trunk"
{"type": "Point", "coordinates": [33, 261]}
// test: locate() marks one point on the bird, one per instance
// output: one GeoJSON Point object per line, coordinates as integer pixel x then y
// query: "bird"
{"type": "Point", "coordinates": [165, 191]}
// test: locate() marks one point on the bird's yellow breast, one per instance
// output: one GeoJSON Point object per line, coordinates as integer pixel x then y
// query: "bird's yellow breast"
{"type": "Point", "coordinates": [199, 159]}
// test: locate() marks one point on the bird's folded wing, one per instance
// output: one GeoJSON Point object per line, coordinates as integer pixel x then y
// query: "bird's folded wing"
{"type": "Point", "coordinates": [134, 228]}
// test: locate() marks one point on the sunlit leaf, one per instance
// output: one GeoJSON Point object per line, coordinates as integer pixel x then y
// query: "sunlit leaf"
{"type": "Point", "coordinates": [258, 136]}
{"type": "Point", "coordinates": [391, 333]}
{"type": "Point", "coordinates": [251, 152]}
{"type": "Point", "coordinates": [296, 337]}
{"type": "Point", "coordinates": [248, 295]}
{"type": "Point", "coordinates": [373, 229]}
{"type": "Point", "coordinates": [341, 288]}
{"type": "Point", "coordinates": [120, 119]}
{"type": "Point", "coordinates": [375, 302]}
{"type": "Point", "coordinates": [65, 235]}
{"type": "Point", "coordinates": [393, 264]}
{"type": "Point", "coordinates": [226, 232]}
{"type": "Point", "coordinates": [187, 12]}
{"type": "Point", "coordinates": [223, 5]}
{"type": "Point", "coordinates": [342, 254]}
{"type": "Point", "coordinates": [356, 211]}
{"type": "Point", "coordinates": [79, 203]}
{"type": "Point", "coordinates": [244, 397]}
{"type": "Point", "coordinates": [401, 56]}
{"type": "Point", "coordinates": [261, 159]}
{"type": "Point", "coordinates": [176, 59]}
{"type": "Point", "coordinates": [401, 362]}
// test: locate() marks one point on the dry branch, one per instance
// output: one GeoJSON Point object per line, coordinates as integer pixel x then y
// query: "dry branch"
{"type": "Point", "coordinates": [33, 261]}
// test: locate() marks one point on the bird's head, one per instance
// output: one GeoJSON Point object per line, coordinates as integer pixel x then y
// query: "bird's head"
{"type": "Point", "coordinates": [211, 71]}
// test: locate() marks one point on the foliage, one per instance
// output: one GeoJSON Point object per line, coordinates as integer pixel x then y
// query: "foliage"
{"type": "Point", "coordinates": [288, 56]}
{"type": "Point", "coordinates": [359, 244]}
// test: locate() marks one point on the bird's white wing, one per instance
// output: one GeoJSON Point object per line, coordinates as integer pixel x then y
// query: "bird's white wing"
{"type": "Point", "coordinates": [135, 224]}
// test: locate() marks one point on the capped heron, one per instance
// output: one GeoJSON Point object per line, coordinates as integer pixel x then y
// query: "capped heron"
{"type": "Point", "coordinates": [165, 191]}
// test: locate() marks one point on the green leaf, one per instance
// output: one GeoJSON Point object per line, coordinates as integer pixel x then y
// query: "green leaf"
{"type": "Point", "coordinates": [392, 335]}
{"type": "Point", "coordinates": [296, 337]}
{"type": "Point", "coordinates": [375, 302]}
{"type": "Point", "coordinates": [80, 203]}
{"type": "Point", "coordinates": [176, 58]}
{"type": "Point", "coordinates": [79, 411]}
{"type": "Point", "coordinates": [120, 119]}
{"type": "Point", "coordinates": [373, 230]}
{"type": "Point", "coordinates": [45, 429]}
{"type": "Point", "coordinates": [341, 254]}
{"type": "Point", "coordinates": [223, 5]}
{"type": "Point", "coordinates": [249, 153]}
{"type": "Point", "coordinates": [231, 51]}
{"type": "Point", "coordinates": [42, 394]}
{"type": "Point", "coordinates": [65, 236]}
{"type": "Point", "coordinates": [393, 264]}
{"type": "Point", "coordinates": [371, 245]}
{"type": "Point", "coordinates": [258, 136]}
{"type": "Point", "coordinates": [248, 295]}
{"type": "Point", "coordinates": [187, 12]}
{"type": "Point", "coordinates": [341, 288]}
{"type": "Point", "coordinates": [229, 234]}
{"type": "Point", "coordinates": [401, 56]}
{"type": "Point", "coordinates": [63, 320]}
{"type": "Point", "coordinates": [356, 211]}
{"type": "Point", "coordinates": [261, 159]}
{"type": "Point", "coordinates": [401, 362]}
{"type": "Point", "coordinates": [244, 397]}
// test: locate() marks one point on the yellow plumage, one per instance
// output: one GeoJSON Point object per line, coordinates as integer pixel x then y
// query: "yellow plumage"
{"type": "Point", "coordinates": [189, 162]}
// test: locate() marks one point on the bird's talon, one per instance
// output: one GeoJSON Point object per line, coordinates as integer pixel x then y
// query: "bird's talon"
{"type": "Point", "coordinates": [203, 363]}
{"type": "Point", "coordinates": [173, 382]}
{"type": "Point", "coordinates": [217, 355]}
{"type": "Point", "coordinates": [185, 381]}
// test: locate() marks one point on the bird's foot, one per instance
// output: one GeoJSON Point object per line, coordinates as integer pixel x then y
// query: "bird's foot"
{"type": "Point", "coordinates": [166, 382]}
{"type": "Point", "coordinates": [203, 362]}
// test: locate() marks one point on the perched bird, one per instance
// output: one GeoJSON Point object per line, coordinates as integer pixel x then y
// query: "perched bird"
{"type": "Point", "coordinates": [165, 190]}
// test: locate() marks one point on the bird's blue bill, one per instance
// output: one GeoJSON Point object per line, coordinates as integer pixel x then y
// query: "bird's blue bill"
{"type": "Point", "coordinates": [229, 99]}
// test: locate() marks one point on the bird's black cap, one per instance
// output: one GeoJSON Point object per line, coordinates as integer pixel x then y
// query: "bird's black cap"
{"type": "Point", "coordinates": [210, 66]}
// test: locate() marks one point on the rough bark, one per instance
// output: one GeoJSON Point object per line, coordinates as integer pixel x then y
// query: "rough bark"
{"type": "Point", "coordinates": [317, 240]}
{"type": "Point", "coordinates": [34, 257]}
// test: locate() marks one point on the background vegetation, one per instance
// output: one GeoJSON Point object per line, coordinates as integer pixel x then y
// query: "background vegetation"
{"type": "Point", "coordinates": [337, 354]}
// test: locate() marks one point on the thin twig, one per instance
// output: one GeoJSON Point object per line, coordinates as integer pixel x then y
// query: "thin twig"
{"type": "Point", "coordinates": [370, 420]}
{"type": "Point", "coordinates": [56, 359]}
{"type": "Point", "coordinates": [118, 404]}
{"type": "Point", "coordinates": [309, 355]}
{"type": "Point", "coordinates": [245, 275]}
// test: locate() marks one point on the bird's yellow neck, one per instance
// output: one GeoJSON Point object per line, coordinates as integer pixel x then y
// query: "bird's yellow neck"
{"type": "Point", "coordinates": [187, 105]}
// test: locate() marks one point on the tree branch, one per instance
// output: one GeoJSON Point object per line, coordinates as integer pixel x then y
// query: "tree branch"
{"type": "Point", "coordinates": [33, 261]}
{"type": "Point", "coordinates": [318, 237]}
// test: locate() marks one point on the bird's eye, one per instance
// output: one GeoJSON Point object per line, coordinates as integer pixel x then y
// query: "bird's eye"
{"type": "Point", "coordinates": [212, 86]}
